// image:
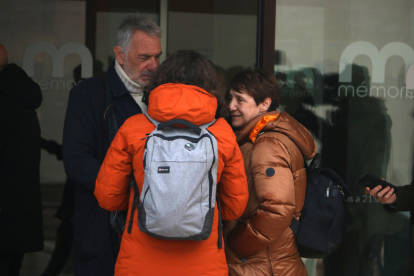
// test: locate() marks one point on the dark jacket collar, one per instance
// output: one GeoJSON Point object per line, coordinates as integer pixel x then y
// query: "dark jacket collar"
{"type": "Point", "coordinates": [117, 86]}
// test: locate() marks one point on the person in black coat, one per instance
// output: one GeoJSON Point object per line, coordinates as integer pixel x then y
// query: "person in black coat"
{"type": "Point", "coordinates": [97, 108]}
{"type": "Point", "coordinates": [397, 201]}
{"type": "Point", "coordinates": [21, 228]}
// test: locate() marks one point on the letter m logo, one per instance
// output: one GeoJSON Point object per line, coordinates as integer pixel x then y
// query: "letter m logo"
{"type": "Point", "coordinates": [57, 56]}
{"type": "Point", "coordinates": [378, 58]}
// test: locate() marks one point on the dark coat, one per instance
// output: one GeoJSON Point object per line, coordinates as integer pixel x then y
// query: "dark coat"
{"type": "Point", "coordinates": [97, 107]}
{"type": "Point", "coordinates": [21, 228]}
{"type": "Point", "coordinates": [405, 200]}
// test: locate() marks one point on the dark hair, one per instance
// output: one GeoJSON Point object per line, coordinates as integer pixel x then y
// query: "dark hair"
{"type": "Point", "coordinates": [191, 68]}
{"type": "Point", "coordinates": [186, 67]}
{"type": "Point", "coordinates": [258, 84]}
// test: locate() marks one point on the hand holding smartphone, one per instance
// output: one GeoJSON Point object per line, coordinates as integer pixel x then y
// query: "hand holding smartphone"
{"type": "Point", "coordinates": [371, 181]}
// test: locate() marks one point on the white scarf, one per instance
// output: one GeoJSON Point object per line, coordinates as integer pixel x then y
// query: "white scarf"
{"type": "Point", "coordinates": [134, 88]}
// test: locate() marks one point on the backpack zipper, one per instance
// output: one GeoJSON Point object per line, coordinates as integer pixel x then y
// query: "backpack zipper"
{"type": "Point", "coordinates": [148, 136]}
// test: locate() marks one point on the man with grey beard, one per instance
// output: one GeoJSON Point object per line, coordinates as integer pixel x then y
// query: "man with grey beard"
{"type": "Point", "coordinates": [97, 108]}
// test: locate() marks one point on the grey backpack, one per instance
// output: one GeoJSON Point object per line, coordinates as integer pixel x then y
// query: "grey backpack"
{"type": "Point", "coordinates": [178, 196]}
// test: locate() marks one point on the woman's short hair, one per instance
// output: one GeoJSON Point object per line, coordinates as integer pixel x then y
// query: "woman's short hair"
{"type": "Point", "coordinates": [259, 85]}
{"type": "Point", "coordinates": [186, 67]}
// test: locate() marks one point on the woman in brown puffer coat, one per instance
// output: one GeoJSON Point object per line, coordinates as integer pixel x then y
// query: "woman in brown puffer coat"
{"type": "Point", "coordinates": [274, 146]}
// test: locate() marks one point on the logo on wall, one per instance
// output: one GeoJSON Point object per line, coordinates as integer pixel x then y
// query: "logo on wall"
{"type": "Point", "coordinates": [379, 60]}
{"type": "Point", "coordinates": [57, 56]}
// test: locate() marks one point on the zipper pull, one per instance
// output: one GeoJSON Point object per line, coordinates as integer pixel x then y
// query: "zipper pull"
{"type": "Point", "coordinates": [148, 136]}
{"type": "Point", "coordinates": [327, 192]}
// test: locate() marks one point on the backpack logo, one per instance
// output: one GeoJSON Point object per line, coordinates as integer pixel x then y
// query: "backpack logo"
{"type": "Point", "coordinates": [165, 169]}
{"type": "Point", "coordinates": [189, 147]}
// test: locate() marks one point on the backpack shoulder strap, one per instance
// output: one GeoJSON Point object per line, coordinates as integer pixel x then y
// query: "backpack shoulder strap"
{"type": "Point", "coordinates": [283, 135]}
{"type": "Point", "coordinates": [135, 202]}
{"type": "Point", "coordinates": [315, 160]}
{"type": "Point", "coordinates": [160, 125]}
{"type": "Point", "coordinates": [155, 122]}
{"type": "Point", "coordinates": [205, 126]}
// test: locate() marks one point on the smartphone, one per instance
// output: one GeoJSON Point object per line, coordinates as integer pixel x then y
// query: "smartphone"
{"type": "Point", "coordinates": [371, 181]}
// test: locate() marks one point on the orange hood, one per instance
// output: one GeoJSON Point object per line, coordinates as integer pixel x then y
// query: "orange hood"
{"type": "Point", "coordinates": [180, 101]}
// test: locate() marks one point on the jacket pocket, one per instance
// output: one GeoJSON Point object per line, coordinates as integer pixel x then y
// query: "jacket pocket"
{"type": "Point", "coordinates": [90, 230]}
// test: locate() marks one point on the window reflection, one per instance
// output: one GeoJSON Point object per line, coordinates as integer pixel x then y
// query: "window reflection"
{"type": "Point", "coordinates": [343, 77]}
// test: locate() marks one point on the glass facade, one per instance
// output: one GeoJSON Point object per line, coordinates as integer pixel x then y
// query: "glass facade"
{"type": "Point", "coordinates": [223, 31]}
{"type": "Point", "coordinates": [342, 67]}
{"type": "Point", "coordinates": [60, 43]}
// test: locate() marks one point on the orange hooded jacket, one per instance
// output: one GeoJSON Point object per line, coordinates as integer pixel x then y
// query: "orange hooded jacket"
{"type": "Point", "coordinates": [141, 254]}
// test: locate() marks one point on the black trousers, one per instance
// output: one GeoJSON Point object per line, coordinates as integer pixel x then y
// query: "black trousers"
{"type": "Point", "coordinates": [10, 263]}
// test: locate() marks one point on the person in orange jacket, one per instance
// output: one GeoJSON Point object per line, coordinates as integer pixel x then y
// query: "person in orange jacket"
{"type": "Point", "coordinates": [184, 87]}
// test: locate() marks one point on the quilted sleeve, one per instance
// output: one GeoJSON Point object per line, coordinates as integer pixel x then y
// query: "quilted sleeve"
{"type": "Point", "coordinates": [111, 188]}
{"type": "Point", "coordinates": [232, 188]}
{"type": "Point", "coordinates": [274, 186]}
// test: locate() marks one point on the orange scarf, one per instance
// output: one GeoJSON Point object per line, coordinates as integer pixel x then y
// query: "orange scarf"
{"type": "Point", "coordinates": [260, 125]}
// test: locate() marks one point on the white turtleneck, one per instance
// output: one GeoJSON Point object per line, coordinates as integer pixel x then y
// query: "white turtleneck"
{"type": "Point", "coordinates": [134, 88]}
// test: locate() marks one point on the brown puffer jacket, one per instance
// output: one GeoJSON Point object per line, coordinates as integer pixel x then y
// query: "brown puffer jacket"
{"type": "Point", "coordinates": [261, 242]}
